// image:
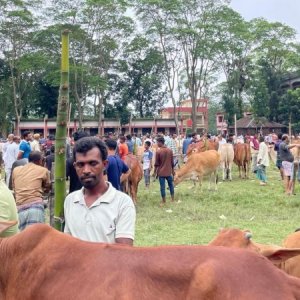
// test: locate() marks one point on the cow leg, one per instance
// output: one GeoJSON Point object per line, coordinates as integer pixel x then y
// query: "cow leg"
{"type": "Point", "coordinates": [224, 172]}
{"type": "Point", "coordinates": [200, 183]}
{"type": "Point", "coordinates": [229, 172]}
{"type": "Point", "coordinates": [240, 175]}
{"type": "Point", "coordinates": [132, 192]}
{"type": "Point", "coordinates": [214, 177]}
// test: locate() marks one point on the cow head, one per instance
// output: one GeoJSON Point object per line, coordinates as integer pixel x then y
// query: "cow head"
{"type": "Point", "coordinates": [234, 238]}
{"type": "Point", "coordinates": [177, 179]}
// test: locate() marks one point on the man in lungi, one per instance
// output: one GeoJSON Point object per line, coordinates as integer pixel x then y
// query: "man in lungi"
{"type": "Point", "coordinates": [29, 182]}
{"type": "Point", "coordinates": [287, 162]}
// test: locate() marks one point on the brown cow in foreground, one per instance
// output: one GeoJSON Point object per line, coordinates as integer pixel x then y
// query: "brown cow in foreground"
{"type": "Point", "coordinates": [130, 185]}
{"type": "Point", "coordinates": [42, 263]}
{"type": "Point", "coordinates": [199, 165]}
{"type": "Point", "coordinates": [287, 258]}
{"type": "Point", "coordinates": [242, 157]}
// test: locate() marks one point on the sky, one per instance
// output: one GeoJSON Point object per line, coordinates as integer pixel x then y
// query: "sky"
{"type": "Point", "coordinates": [284, 11]}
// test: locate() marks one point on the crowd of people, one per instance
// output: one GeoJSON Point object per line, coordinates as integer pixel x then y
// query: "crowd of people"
{"type": "Point", "coordinates": [95, 208]}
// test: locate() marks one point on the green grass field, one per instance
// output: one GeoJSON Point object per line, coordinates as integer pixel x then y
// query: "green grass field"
{"type": "Point", "coordinates": [196, 217]}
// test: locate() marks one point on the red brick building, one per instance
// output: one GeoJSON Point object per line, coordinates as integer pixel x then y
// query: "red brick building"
{"type": "Point", "coordinates": [184, 113]}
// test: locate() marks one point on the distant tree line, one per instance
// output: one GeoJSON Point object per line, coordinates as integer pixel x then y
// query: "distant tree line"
{"type": "Point", "coordinates": [128, 58]}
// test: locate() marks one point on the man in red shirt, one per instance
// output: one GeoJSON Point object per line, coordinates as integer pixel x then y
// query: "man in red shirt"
{"type": "Point", "coordinates": [164, 168]}
{"type": "Point", "coordinates": [123, 148]}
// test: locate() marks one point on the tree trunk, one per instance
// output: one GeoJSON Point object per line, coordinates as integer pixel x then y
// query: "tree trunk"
{"type": "Point", "coordinates": [15, 97]}
{"type": "Point", "coordinates": [60, 137]}
{"type": "Point", "coordinates": [170, 80]}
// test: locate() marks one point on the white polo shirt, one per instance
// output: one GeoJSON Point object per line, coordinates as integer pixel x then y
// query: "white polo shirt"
{"type": "Point", "coordinates": [111, 216]}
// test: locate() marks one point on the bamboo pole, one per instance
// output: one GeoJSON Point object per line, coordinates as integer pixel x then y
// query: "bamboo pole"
{"type": "Point", "coordinates": [60, 137]}
{"type": "Point", "coordinates": [69, 120]}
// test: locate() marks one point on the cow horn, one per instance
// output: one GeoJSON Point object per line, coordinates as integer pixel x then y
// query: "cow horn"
{"type": "Point", "coordinates": [248, 235]}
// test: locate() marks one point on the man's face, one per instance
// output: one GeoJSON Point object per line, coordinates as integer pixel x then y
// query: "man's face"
{"type": "Point", "coordinates": [89, 167]}
{"type": "Point", "coordinates": [28, 137]}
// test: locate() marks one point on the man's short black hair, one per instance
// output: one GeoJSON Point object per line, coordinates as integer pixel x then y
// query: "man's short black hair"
{"type": "Point", "coordinates": [148, 143]}
{"type": "Point", "coordinates": [128, 136]}
{"type": "Point", "coordinates": [111, 144]}
{"type": "Point", "coordinates": [280, 135]}
{"type": "Point", "coordinates": [86, 144]}
{"type": "Point", "coordinates": [79, 134]}
{"type": "Point", "coordinates": [26, 133]}
{"type": "Point", "coordinates": [122, 138]}
{"type": "Point", "coordinates": [160, 139]}
{"type": "Point", "coordinates": [35, 156]}
{"type": "Point", "coordinates": [285, 137]}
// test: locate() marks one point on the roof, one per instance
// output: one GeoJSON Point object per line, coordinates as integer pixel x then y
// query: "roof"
{"type": "Point", "coordinates": [183, 109]}
{"type": "Point", "coordinates": [251, 122]}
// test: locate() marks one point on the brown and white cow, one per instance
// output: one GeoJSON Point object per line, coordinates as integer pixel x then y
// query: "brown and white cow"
{"type": "Point", "coordinates": [130, 184]}
{"type": "Point", "coordinates": [42, 263]}
{"type": "Point", "coordinates": [226, 158]}
{"type": "Point", "coordinates": [199, 165]}
{"type": "Point", "coordinates": [286, 258]}
{"type": "Point", "coordinates": [242, 157]}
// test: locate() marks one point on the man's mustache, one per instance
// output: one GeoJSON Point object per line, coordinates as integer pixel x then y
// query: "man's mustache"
{"type": "Point", "coordinates": [87, 177]}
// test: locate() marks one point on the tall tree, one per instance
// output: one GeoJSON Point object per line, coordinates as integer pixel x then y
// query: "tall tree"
{"type": "Point", "coordinates": [195, 30]}
{"type": "Point", "coordinates": [235, 43]}
{"type": "Point", "coordinates": [272, 49]}
{"type": "Point", "coordinates": [156, 17]}
{"type": "Point", "coordinates": [143, 78]}
{"type": "Point", "coordinates": [16, 26]}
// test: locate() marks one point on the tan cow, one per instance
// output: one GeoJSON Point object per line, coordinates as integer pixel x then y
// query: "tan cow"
{"type": "Point", "coordinates": [201, 146]}
{"type": "Point", "coordinates": [130, 185]}
{"type": "Point", "coordinates": [226, 157]}
{"type": "Point", "coordinates": [42, 263]}
{"type": "Point", "coordinates": [292, 266]}
{"type": "Point", "coordinates": [286, 258]}
{"type": "Point", "coordinates": [242, 157]}
{"type": "Point", "coordinates": [200, 165]}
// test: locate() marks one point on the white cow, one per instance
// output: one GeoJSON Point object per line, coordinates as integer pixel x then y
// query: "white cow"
{"type": "Point", "coordinates": [226, 159]}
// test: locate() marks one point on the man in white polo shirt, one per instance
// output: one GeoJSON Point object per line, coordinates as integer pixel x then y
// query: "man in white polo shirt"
{"type": "Point", "coordinates": [98, 212]}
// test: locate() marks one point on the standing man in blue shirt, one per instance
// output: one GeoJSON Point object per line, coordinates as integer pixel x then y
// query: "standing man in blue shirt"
{"type": "Point", "coordinates": [185, 145]}
{"type": "Point", "coordinates": [116, 170]}
{"type": "Point", "coordinates": [129, 143]}
{"type": "Point", "coordinates": [25, 148]}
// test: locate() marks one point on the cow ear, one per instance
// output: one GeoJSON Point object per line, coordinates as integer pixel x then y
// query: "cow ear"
{"type": "Point", "coordinates": [4, 225]}
{"type": "Point", "coordinates": [280, 255]}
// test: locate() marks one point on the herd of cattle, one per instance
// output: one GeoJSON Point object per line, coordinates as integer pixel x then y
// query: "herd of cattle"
{"type": "Point", "coordinates": [42, 263]}
{"type": "Point", "coordinates": [204, 159]}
